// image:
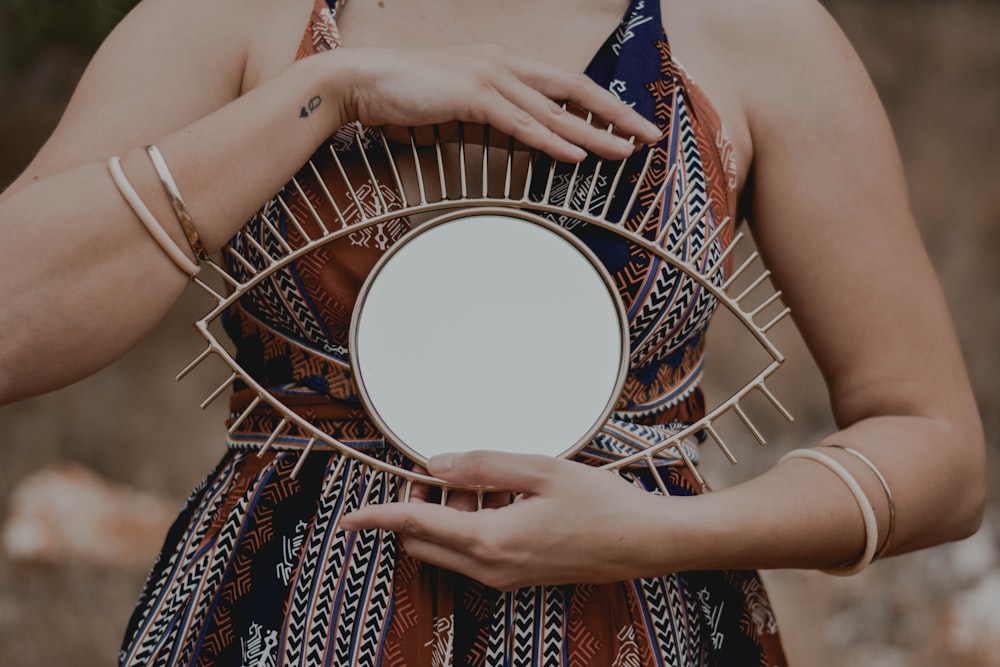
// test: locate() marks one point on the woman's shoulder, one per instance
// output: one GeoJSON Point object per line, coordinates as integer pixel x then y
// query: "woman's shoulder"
{"type": "Point", "coordinates": [779, 48]}
{"type": "Point", "coordinates": [771, 66]}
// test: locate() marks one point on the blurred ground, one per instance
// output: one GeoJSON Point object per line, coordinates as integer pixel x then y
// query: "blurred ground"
{"type": "Point", "coordinates": [937, 68]}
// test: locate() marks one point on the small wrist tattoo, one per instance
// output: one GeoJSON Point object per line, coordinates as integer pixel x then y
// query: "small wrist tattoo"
{"type": "Point", "coordinates": [313, 104]}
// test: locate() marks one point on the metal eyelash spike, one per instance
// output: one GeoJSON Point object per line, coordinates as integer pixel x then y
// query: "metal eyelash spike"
{"type": "Point", "coordinates": [302, 458]}
{"type": "Point", "coordinates": [462, 175]}
{"type": "Point", "coordinates": [294, 219]}
{"type": "Point", "coordinates": [381, 206]}
{"type": "Point", "coordinates": [571, 185]}
{"type": "Point", "coordinates": [351, 190]}
{"type": "Point", "coordinates": [740, 270]}
{"type": "Point", "coordinates": [439, 157]}
{"type": "Point", "coordinates": [275, 434]}
{"type": "Point", "coordinates": [194, 364]}
{"type": "Point", "coordinates": [242, 261]}
{"type": "Point", "coordinates": [265, 255]}
{"type": "Point", "coordinates": [312, 210]}
{"type": "Point", "coordinates": [689, 464]}
{"type": "Point", "coordinates": [485, 184]}
{"type": "Point", "coordinates": [757, 282]}
{"type": "Point", "coordinates": [639, 181]}
{"type": "Point", "coordinates": [206, 287]}
{"type": "Point", "coordinates": [407, 490]}
{"type": "Point", "coordinates": [754, 431]}
{"type": "Point", "coordinates": [679, 205]}
{"type": "Point", "coordinates": [218, 391]}
{"type": "Point", "coordinates": [528, 175]}
{"type": "Point", "coordinates": [721, 443]}
{"type": "Point", "coordinates": [668, 225]}
{"type": "Point", "coordinates": [782, 410]}
{"type": "Point", "coordinates": [393, 169]}
{"type": "Point", "coordinates": [369, 485]}
{"type": "Point", "coordinates": [777, 318]}
{"type": "Point", "coordinates": [275, 234]}
{"type": "Point", "coordinates": [595, 176]}
{"type": "Point", "coordinates": [335, 475]}
{"type": "Point", "coordinates": [418, 169]}
{"type": "Point", "coordinates": [720, 262]}
{"type": "Point", "coordinates": [709, 241]}
{"type": "Point", "coordinates": [221, 272]}
{"type": "Point", "coordinates": [414, 181]}
{"type": "Point", "coordinates": [509, 170]}
{"type": "Point", "coordinates": [615, 181]}
{"type": "Point", "coordinates": [244, 414]}
{"type": "Point", "coordinates": [763, 305]}
{"type": "Point", "coordinates": [648, 459]}
{"type": "Point", "coordinates": [655, 206]}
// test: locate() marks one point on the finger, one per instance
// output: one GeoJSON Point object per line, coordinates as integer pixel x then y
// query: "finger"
{"type": "Point", "coordinates": [582, 91]}
{"type": "Point", "coordinates": [524, 473]}
{"type": "Point", "coordinates": [509, 118]}
{"type": "Point", "coordinates": [496, 500]}
{"type": "Point", "coordinates": [418, 491]}
{"type": "Point", "coordinates": [463, 501]}
{"type": "Point", "coordinates": [427, 521]}
{"type": "Point", "coordinates": [563, 122]}
{"type": "Point", "coordinates": [441, 555]}
{"type": "Point", "coordinates": [501, 578]}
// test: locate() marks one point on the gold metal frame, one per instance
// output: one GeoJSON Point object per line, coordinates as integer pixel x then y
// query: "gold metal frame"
{"type": "Point", "coordinates": [430, 165]}
{"type": "Point", "coordinates": [548, 225]}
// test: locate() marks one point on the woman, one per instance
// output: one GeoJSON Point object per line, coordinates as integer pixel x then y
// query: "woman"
{"type": "Point", "coordinates": [806, 153]}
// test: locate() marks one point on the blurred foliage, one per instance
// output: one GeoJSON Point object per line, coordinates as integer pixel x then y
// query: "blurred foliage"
{"type": "Point", "coordinates": [29, 27]}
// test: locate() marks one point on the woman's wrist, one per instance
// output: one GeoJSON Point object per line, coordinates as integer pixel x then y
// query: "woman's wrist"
{"type": "Point", "coordinates": [328, 91]}
{"type": "Point", "coordinates": [795, 515]}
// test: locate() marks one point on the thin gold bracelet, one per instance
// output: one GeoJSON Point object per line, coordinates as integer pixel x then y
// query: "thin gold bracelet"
{"type": "Point", "coordinates": [153, 226]}
{"type": "Point", "coordinates": [867, 513]}
{"type": "Point", "coordinates": [888, 496]}
{"type": "Point", "coordinates": [180, 208]}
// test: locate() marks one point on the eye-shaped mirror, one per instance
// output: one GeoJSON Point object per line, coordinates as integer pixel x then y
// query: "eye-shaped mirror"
{"type": "Point", "coordinates": [497, 385]}
{"type": "Point", "coordinates": [489, 331]}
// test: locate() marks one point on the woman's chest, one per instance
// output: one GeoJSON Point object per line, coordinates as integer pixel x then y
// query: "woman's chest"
{"type": "Point", "coordinates": [564, 33]}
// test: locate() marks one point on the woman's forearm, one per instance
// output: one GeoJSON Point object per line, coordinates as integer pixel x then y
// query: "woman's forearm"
{"type": "Point", "coordinates": [800, 514]}
{"type": "Point", "coordinates": [69, 238]}
{"type": "Point", "coordinates": [83, 280]}
{"type": "Point", "coordinates": [572, 523]}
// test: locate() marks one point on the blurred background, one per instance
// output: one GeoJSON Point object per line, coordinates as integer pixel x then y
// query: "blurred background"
{"type": "Point", "coordinates": [937, 68]}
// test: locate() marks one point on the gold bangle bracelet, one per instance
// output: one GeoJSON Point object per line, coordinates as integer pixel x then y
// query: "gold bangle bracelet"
{"type": "Point", "coordinates": [864, 506]}
{"type": "Point", "coordinates": [153, 226]}
{"type": "Point", "coordinates": [180, 208]}
{"type": "Point", "coordinates": [888, 496]}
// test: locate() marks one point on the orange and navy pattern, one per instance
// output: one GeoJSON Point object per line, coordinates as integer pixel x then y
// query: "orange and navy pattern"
{"type": "Point", "coordinates": [256, 573]}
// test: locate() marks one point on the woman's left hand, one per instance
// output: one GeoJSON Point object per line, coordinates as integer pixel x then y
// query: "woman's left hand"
{"type": "Point", "coordinates": [568, 522]}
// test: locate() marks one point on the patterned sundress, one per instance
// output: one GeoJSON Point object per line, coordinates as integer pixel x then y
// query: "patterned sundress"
{"type": "Point", "coordinates": [254, 573]}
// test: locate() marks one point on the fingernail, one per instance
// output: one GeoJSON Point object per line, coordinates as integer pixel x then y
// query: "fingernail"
{"type": "Point", "coordinates": [653, 130]}
{"type": "Point", "coordinates": [440, 463]}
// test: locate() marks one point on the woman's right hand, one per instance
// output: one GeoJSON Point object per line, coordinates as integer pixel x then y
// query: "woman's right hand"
{"type": "Point", "coordinates": [488, 85]}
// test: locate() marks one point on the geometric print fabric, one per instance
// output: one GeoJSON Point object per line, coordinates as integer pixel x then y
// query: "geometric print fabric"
{"type": "Point", "coordinates": [255, 571]}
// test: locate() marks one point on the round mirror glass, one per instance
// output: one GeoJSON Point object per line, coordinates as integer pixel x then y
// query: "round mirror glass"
{"type": "Point", "coordinates": [490, 331]}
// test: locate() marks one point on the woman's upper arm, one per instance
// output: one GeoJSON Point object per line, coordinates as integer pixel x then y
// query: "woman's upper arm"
{"type": "Point", "coordinates": [166, 64]}
{"type": "Point", "coordinates": [830, 213]}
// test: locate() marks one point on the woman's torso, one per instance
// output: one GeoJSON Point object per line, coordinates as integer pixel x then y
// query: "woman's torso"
{"type": "Point", "coordinates": [310, 302]}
